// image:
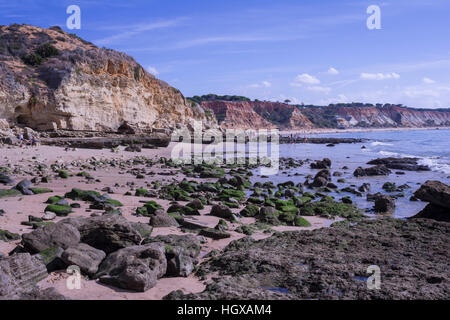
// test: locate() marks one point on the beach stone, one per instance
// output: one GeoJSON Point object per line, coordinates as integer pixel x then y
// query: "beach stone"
{"type": "Point", "coordinates": [4, 179]}
{"type": "Point", "coordinates": [214, 233]}
{"type": "Point", "coordinates": [38, 294]}
{"type": "Point", "coordinates": [321, 164]}
{"type": "Point", "coordinates": [160, 221]}
{"type": "Point", "coordinates": [365, 187]}
{"type": "Point", "coordinates": [321, 179]}
{"type": "Point", "coordinates": [48, 216]}
{"type": "Point", "coordinates": [85, 257]}
{"type": "Point", "coordinates": [432, 211]}
{"type": "Point", "coordinates": [23, 186]}
{"type": "Point", "coordinates": [20, 272]}
{"type": "Point", "coordinates": [182, 252]}
{"type": "Point", "coordinates": [407, 164]}
{"type": "Point", "coordinates": [58, 234]}
{"type": "Point", "coordinates": [134, 268]}
{"type": "Point", "coordinates": [384, 204]}
{"type": "Point", "coordinates": [379, 170]}
{"type": "Point", "coordinates": [221, 211]}
{"type": "Point", "coordinates": [434, 192]}
{"type": "Point", "coordinates": [109, 232]}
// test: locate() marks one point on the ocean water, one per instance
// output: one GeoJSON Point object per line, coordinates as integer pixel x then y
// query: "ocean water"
{"type": "Point", "coordinates": [432, 147]}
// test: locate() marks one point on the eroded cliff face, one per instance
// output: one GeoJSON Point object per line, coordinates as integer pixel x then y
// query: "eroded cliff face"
{"type": "Point", "coordinates": [82, 87]}
{"type": "Point", "coordinates": [257, 115]}
{"type": "Point", "coordinates": [392, 116]}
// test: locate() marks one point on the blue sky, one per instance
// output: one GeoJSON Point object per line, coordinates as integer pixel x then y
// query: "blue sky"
{"type": "Point", "coordinates": [307, 51]}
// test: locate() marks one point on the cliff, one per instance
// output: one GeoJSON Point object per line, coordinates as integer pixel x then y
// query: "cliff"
{"type": "Point", "coordinates": [256, 114]}
{"type": "Point", "coordinates": [50, 79]}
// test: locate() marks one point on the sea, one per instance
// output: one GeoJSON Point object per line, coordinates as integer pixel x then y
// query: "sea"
{"type": "Point", "coordinates": [431, 147]}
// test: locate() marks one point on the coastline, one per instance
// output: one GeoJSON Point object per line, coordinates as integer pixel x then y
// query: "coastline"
{"type": "Point", "coordinates": [354, 130]}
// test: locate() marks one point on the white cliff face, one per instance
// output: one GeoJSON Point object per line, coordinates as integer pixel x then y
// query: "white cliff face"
{"type": "Point", "coordinates": [82, 87]}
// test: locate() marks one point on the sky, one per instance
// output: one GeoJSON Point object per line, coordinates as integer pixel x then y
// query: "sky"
{"type": "Point", "coordinates": [307, 51]}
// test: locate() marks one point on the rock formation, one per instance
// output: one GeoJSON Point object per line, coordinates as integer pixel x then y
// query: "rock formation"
{"type": "Point", "coordinates": [50, 79]}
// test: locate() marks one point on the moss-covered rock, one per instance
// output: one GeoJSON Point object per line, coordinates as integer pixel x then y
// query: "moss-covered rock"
{"type": "Point", "coordinates": [301, 222]}
{"type": "Point", "coordinates": [8, 236]}
{"type": "Point", "coordinates": [59, 210]}
{"type": "Point", "coordinates": [63, 174]}
{"type": "Point", "coordinates": [40, 190]}
{"type": "Point", "coordinates": [330, 209]}
{"type": "Point", "coordinates": [250, 210]}
{"type": "Point", "coordinates": [4, 193]}
{"type": "Point", "coordinates": [84, 195]}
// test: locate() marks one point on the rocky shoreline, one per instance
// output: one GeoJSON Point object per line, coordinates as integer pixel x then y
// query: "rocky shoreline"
{"type": "Point", "coordinates": [138, 222]}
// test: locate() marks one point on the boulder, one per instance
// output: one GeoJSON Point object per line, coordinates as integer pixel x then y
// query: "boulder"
{"type": "Point", "coordinates": [85, 257]}
{"type": "Point", "coordinates": [109, 232]}
{"type": "Point", "coordinates": [434, 192]}
{"type": "Point", "coordinates": [181, 253]}
{"type": "Point", "coordinates": [4, 179]}
{"type": "Point", "coordinates": [24, 187]}
{"type": "Point", "coordinates": [321, 164]}
{"type": "Point", "coordinates": [160, 221]}
{"type": "Point", "coordinates": [321, 179]}
{"type": "Point", "coordinates": [221, 211]}
{"type": "Point", "coordinates": [59, 234]}
{"type": "Point", "coordinates": [432, 211]}
{"type": "Point", "coordinates": [134, 268]}
{"type": "Point", "coordinates": [384, 204]}
{"type": "Point", "coordinates": [379, 170]}
{"type": "Point", "coordinates": [20, 272]}
{"type": "Point", "coordinates": [407, 164]}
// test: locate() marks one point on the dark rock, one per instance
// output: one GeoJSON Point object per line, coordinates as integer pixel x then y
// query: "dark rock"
{"type": "Point", "coordinates": [4, 179]}
{"type": "Point", "coordinates": [432, 211]}
{"type": "Point", "coordinates": [384, 204]}
{"type": "Point", "coordinates": [222, 211]}
{"type": "Point", "coordinates": [321, 179]}
{"type": "Point", "coordinates": [181, 253]}
{"type": "Point", "coordinates": [109, 232]}
{"type": "Point", "coordinates": [134, 268]}
{"type": "Point", "coordinates": [321, 164]}
{"type": "Point", "coordinates": [379, 170]}
{"type": "Point", "coordinates": [51, 235]}
{"type": "Point", "coordinates": [434, 192]}
{"type": "Point", "coordinates": [24, 187]}
{"type": "Point", "coordinates": [365, 187]}
{"type": "Point", "coordinates": [214, 233]}
{"type": "Point", "coordinates": [328, 263]}
{"type": "Point", "coordinates": [407, 164]}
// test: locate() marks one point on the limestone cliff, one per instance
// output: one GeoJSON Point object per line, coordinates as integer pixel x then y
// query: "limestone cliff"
{"type": "Point", "coordinates": [49, 79]}
{"type": "Point", "coordinates": [257, 114]}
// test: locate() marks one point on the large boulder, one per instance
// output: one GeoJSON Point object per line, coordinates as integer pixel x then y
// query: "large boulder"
{"type": "Point", "coordinates": [434, 192]}
{"type": "Point", "coordinates": [407, 164]}
{"type": "Point", "coordinates": [384, 204]}
{"type": "Point", "coordinates": [379, 170]}
{"type": "Point", "coordinates": [20, 272]}
{"type": "Point", "coordinates": [221, 211]}
{"type": "Point", "coordinates": [85, 257]}
{"type": "Point", "coordinates": [182, 252]}
{"type": "Point", "coordinates": [321, 179]}
{"type": "Point", "coordinates": [109, 232]}
{"type": "Point", "coordinates": [161, 221]}
{"type": "Point", "coordinates": [321, 164]}
{"type": "Point", "coordinates": [134, 268]}
{"type": "Point", "coordinates": [52, 235]}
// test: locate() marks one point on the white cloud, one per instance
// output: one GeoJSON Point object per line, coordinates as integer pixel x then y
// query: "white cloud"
{"type": "Point", "coordinates": [304, 78]}
{"type": "Point", "coordinates": [379, 76]}
{"type": "Point", "coordinates": [263, 84]}
{"type": "Point", "coordinates": [152, 70]}
{"type": "Point", "coordinates": [319, 89]}
{"type": "Point", "coordinates": [333, 71]}
{"type": "Point", "coordinates": [428, 80]}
